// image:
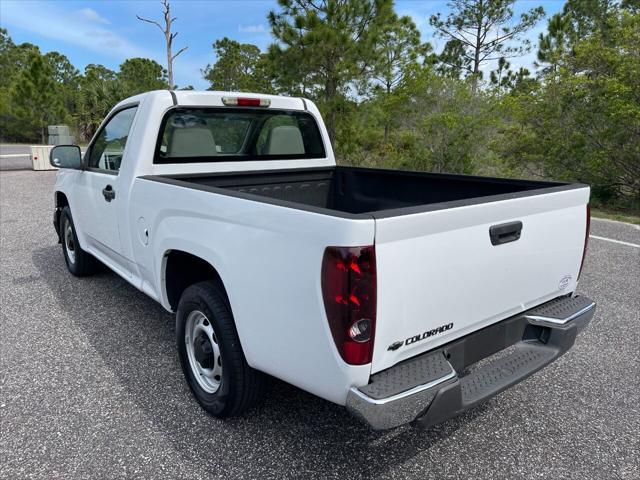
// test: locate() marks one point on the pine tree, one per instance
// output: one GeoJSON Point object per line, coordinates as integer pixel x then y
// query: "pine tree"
{"type": "Point", "coordinates": [239, 67]}
{"type": "Point", "coordinates": [553, 46]}
{"type": "Point", "coordinates": [138, 75]}
{"type": "Point", "coordinates": [482, 31]}
{"type": "Point", "coordinates": [330, 44]}
{"type": "Point", "coordinates": [35, 98]}
{"type": "Point", "coordinates": [398, 51]}
{"type": "Point", "coordinates": [578, 20]}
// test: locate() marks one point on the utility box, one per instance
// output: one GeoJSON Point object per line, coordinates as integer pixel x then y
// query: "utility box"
{"type": "Point", "coordinates": [60, 135]}
{"type": "Point", "coordinates": [40, 157]}
{"type": "Point", "coordinates": [58, 129]}
{"type": "Point", "coordinates": [61, 140]}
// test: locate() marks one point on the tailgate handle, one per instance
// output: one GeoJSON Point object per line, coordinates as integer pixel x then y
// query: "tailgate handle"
{"type": "Point", "coordinates": [505, 233]}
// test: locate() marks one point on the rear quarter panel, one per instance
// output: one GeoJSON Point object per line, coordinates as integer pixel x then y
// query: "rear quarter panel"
{"type": "Point", "coordinates": [269, 258]}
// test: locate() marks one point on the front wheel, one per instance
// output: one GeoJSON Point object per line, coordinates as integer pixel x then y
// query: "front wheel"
{"type": "Point", "coordinates": [211, 355]}
{"type": "Point", "coordinates": [79, 262]}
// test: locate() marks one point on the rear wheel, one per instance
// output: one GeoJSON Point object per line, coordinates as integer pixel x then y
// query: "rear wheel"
{"type": "Point", "coordinates": [211, 355]}
{"type": "Point", "coordinates": [79, 262]}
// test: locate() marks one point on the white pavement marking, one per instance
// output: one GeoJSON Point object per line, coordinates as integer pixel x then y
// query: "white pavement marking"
{"type": "Point", "coordinates": [12, 155]}
{"type": "Point", "coordinates": [637, 227]}
{"type": "Point", "coordinates": [628, 244]}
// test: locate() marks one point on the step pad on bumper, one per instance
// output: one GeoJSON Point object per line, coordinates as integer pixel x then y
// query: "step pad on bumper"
{"type": "Point", "coordinates": [561, 310]}
{"type": "Point", "coordinates": [407, 375]}
{"type": "Point", "coordinates": [499, 374]}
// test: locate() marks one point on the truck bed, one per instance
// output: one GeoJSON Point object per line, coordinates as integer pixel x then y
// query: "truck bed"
{"type": "Point", "coordinates": [362, 192]}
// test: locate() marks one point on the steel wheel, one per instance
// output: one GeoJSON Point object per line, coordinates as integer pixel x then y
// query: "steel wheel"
{"type": "Point", "coordinates": [205, 332]}
{"type": "Point", "coordinates": [203, 351]}
{"type": "Point", "coordinates": [69, 241]}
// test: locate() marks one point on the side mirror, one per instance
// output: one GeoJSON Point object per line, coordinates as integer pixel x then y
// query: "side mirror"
{"type": "Point", "coordinates": [66, 156]}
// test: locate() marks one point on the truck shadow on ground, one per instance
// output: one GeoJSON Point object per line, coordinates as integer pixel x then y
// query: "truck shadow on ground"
{"type": "Point", "coordinates": [134, 337]}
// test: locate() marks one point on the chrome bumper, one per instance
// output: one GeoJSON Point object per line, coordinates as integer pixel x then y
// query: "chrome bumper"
{"type": "Point", "coordinates": [427, 389]}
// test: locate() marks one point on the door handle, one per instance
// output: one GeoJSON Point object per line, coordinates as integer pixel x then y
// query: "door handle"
{"type": "Point", "coordinates": [108, 193]}
{"type": "Point", "coordinates": [505, 233]}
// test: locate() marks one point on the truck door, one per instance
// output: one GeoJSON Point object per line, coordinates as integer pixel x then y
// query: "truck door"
{"type": "Point", "coordinates": [99, 185]}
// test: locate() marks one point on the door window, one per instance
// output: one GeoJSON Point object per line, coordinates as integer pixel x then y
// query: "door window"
{"type": "Point", "coordinates": [108, 147]}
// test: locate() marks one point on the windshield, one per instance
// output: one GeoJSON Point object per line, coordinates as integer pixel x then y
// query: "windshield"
{"type": "Point", "coordinates": [190, 135]}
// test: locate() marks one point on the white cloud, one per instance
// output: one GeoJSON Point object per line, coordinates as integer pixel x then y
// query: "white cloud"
{"type": "Point", "coordinates": [73, 28]}
{"type": "Point", "coordinates": [80, 28]}
{"type": "Point", "coordinates": [93, 16]}
{"type": "Point", "coordinates": [253, 28]}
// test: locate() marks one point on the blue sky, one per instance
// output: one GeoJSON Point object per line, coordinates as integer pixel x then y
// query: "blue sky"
{"type": "Point", "coordinates": [107, 31]}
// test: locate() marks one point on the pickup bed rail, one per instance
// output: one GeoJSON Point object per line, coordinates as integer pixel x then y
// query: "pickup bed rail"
{"type": "Point", "coordinates": [362, 192]}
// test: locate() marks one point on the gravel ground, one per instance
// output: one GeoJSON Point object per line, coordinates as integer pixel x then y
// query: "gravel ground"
{"type": "Point", "coordinates": [90, 386]}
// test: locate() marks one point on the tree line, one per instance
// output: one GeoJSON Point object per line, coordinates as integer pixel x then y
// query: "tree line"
{"type": "Point", "coordinates": [390, 100]}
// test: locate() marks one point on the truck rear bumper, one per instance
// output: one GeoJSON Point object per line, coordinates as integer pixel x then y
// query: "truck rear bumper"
{"type": "Point", "coordinates": [439, 385]}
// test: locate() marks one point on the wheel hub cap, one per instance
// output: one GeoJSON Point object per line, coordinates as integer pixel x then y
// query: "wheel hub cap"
{"type": "Point", "coordinates": [203, 351]}
{"type": "Point", "coordinates": [69, 242]}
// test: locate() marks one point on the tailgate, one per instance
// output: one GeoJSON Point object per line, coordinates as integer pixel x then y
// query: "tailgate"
{"type": "Point", "coordinates": [440, 276]}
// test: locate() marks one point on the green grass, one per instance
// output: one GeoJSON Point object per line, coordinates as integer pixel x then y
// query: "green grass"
{"type": "Point", "coordinates": [628, 217]}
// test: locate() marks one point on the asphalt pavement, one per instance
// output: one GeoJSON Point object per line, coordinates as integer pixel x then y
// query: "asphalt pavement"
{"type": "Point", "coordinates": [91, 388]}
{"type": "Point", "coordinates": [15, 157]}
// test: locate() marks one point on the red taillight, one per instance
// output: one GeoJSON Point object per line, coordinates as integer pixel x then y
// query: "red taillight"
{"type": "Point", "coordinates": [349, 293]}
{"type": "Point", "coordinates": [586, 238]}
{"type": "Point", "coordinates": [246, 102]}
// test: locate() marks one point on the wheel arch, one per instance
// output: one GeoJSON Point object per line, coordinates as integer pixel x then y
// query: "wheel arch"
{"type": "Point", "coordinates": [60, 201]}
{"type": "Point", "coordinates": [181, 269]}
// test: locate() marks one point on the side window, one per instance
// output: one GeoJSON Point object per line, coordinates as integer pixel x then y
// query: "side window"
{"type": "Point", "coordinates": [108, 148]}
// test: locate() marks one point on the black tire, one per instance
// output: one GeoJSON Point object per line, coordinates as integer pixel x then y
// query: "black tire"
{"type": "Point", "coordinates": [79, 262]}
{"type": "Point", "coordinates": [241, 386]}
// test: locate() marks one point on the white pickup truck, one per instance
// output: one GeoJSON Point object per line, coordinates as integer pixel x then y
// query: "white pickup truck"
{"type": "Point", "coordinates": [376, 289]}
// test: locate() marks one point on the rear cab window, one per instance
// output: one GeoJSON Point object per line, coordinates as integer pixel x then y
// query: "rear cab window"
{"type": "Point", "coordinates": [222, 134]}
